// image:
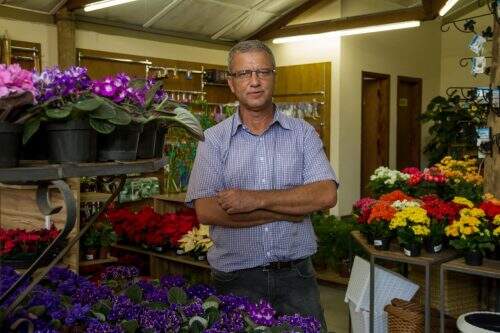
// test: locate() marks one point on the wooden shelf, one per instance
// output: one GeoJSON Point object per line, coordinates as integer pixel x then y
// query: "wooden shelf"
{"type": "Point", "coordinates": [216, 84]}
{"type": "Point", "coordinates": [94, 196]}
{"type": "Point", "coordinates": [98, 261]}
{"type": "Point", "coordinates": [168, 255]}
{"type": "Point", "coordinates": [171, 197]}
{"type": "Point", "coordinates": [489, 268]}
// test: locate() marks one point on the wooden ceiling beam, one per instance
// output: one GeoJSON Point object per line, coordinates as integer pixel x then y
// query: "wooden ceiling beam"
{"type": "Point", "coordinates": [77, 4]}
{"type": "Point", "coordinates": [394, 16]}
{"type": "Point", "coordinates": [283, 20]}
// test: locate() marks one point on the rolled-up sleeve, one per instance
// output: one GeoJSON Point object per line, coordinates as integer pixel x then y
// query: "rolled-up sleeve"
{"type": "Point", "coordinates": [316, 164]}
{"type": "Point", "coordinates": [206, 175]}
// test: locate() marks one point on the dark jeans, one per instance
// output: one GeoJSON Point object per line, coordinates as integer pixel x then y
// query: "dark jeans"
{"type": "Point", "coordinates": [289, 290]}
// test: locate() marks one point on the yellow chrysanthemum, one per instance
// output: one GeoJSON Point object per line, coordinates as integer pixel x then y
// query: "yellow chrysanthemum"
{"type": "Point", "coordinates": [474, 212]}
{"type": "Point", "coordinates": [463, 201]}
{"type": "Point", "coordinates": [496, 231]}
{"type": "Point", "coordinates": [452, 230]}
{"type": "Point", "coordinates": [496, 219]}
{"type": "Point", "coordinates": [420, 230]}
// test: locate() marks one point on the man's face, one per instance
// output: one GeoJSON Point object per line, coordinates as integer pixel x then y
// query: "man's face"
{"type": "Point", "coordinates": [253, 91]}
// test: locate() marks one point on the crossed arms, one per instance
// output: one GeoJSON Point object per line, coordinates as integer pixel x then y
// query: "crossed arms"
{"type": "Point", "coordinates": [236, 208]}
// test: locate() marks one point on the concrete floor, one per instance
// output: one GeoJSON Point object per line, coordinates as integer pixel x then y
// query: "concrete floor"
{"type": "Point", "coordinates": [336, 311]}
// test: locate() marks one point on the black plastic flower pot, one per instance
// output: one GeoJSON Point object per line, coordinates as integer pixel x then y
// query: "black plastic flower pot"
{"type": "Point", "coordinates": [71, 141]}
{"type": "Point", "coordinates": [147, 140]}
{"type": "Point", "coordinates": [412, 250]}
{"type": "Point", "coordinates": [382, 243]}
{"type": "Point", "coordinates": [121, 144]}
{"type": "Point", "coordinates": [473, 258]}
{"type": "Point", "coordinates": [10, 138]}
{"type": "Point", "coordinates": [433, 246]}
{"type": "Point", "coordinates": [36, 147]}
{"type": "Point", "coordinates": [160, 141]}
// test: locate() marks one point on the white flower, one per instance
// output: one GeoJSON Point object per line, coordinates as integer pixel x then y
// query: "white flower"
{"type": "Point", "coordinates": [402, 204]}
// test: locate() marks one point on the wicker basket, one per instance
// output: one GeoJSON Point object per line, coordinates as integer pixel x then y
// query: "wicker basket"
{"type": "Point", "coordinates": [461, 290]}
{"type": "Point", "coordinates": [409, 317]}
{"type": "Point", "coordinates": [404, 317]}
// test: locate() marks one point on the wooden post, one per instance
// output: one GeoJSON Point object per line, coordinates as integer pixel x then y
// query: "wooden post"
{"type": "Point", "coordinates": [492, 164]}
{"type": "Point", "coordinates": [66, 45]}
{"type": "Point", "coordinates": [6, 52]}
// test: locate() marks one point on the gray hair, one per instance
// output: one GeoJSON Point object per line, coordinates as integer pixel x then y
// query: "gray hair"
{"type": "Point", "coordinates": [249, 46]}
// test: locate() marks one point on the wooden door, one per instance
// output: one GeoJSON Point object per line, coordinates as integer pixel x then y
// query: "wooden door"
{"type": "Point", "coordinates": [409, 103]}
{"type": "Point", "coordinates": [374, 125]}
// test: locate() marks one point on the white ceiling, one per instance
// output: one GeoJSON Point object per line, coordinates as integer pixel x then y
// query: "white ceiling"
{"type": "Point", "coordinates": [216, 20]}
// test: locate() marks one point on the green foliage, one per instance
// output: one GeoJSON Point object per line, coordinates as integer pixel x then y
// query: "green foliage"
{"type": "Point", "coordinates": [453, 127]}
{"type": "Point", "coordinates": [90, 239]}
{"type": "Point", "coordinates": [333, 239]}
{"type": "Point", "coordinates": [107, 235]}
{"type": "Point", "coordinates": [479, 242]}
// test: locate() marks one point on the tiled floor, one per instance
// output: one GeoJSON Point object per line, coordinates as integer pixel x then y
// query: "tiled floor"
{"type": "Point", "coordinates": [336, 311]}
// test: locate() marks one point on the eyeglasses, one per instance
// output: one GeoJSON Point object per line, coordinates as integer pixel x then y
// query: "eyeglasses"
{"type": "Point", "coordinates": [246, 74]}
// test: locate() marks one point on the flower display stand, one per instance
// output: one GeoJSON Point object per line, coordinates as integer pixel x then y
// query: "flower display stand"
{"type": "Point", "coordinates": [490, 269]}
{"type": "Point", "coordinates": [46, 178]}
{"type": "Point", "coordinates": [396, 255]}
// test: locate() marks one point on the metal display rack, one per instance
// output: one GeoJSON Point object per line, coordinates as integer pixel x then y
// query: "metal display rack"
{"type": "Point", "coordinates": [53, 175]}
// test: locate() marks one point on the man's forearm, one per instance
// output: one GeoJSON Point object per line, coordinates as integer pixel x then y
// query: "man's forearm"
{"type": "Point", "coordinates": [300, 200]}
{"type": "Point", "coordinates": [209, 212]}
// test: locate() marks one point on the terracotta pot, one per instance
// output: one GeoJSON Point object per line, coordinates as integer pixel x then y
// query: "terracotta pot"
{"type": "Point", "coordinates": [104, 252]}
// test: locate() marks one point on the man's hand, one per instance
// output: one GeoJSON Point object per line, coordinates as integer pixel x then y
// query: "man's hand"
{"type": "Point", "coordinates": [236, 201]}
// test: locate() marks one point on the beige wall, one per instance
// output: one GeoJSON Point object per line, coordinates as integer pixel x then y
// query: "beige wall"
{"type": "Point", "coordinates": [45, 34]}
{"type": "Point", "coordinates": [412, 52]}
{"type": "Point", "coordinates": [455, 45]}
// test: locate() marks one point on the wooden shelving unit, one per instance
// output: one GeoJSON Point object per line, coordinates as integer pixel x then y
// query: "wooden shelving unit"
{"type": "Point", "coordinates": [98, 261]}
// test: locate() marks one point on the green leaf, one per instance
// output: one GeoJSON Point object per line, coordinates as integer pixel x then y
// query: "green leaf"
{"type": "Point", "coordinates": [177, 295]}
{"type": "Point", "coordinates": [129, 326]}
{"type": "Point", "coordinates": [121, 118]}
{"type": "Point", "coordinates": [137, 83]}
{"type": "Point", "coordinates": [103, 306]}
{"type": "Point", "coordinates": [56, 323]}
{"type": "Point", "coordinates": [156, 305]}
{"type": "Point", "coordinates": [212, 315]}
{"type": "Point", "coordinates": [210, 304]}
{"type": "Point", "coordinates": [105, 111]}
{"type": "Point", "coordinates": [151, 93]}
{"type": "Point", "coordinates": [58, 113]}
{"type": "Point", "coordinates": [37, 310]}
{"type": "Point", "coordinates": [89, 104]}
{"type": "Point", "coordinates": [30, 128]}
{"type": "Point", "coordinates": [99, 316]}
{"type": "Point", "coordinates": [185, 119]}
{"type": "Point", "coordinates": [134, 293]}
{"type": "Point", "coordinates": [101, 126]}
{"type": "Point", "coordinates": [197, 324]}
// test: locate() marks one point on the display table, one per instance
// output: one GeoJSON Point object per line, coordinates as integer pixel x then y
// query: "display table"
{"type": "Point", "coordinates": [489, 268]}
{"type": "Point", "coordinates": [396, 255]}
{"type": "Point", "coordinates": [46, 176]}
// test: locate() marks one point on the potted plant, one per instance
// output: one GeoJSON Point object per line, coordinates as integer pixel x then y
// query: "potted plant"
{"type": "Point", "coordinates": [441, 214]}
{"type": "Point", "coordinates": [361, 212]}
{"type": "Point", "coordinates": [90, 242]}
{"type": "Point", "coordinates": [411, 225]}
{"type": "Point", "coordinates": [341, 234]}
{"type": "Point", "coordinates": [378, 224]}
{"type": "Point", "coordinates": [107, 237]}
{"type": "Point", "coordinates": [72, 115]}
{"type": "Point", "coordinates": [385, 180]}
{"type": "Point", "coordinates": [16, 94]}
{"type": "Point", "coordinates": [197, 242]}
{"type": "Point", "coordinates": [471, 236]}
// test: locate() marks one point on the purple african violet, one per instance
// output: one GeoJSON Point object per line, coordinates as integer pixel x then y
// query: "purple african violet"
{"type": "Point", "coordinates": [70, 83]}
{"type": "Point", "coordinates": [306, 324]}
{"type": "Point", "coordinates": [170, 281]}
{"type": "Point", "coordinates": [120, 273]}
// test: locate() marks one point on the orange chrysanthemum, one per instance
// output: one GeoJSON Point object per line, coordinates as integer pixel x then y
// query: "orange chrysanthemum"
{"type": "Point", "coordinates": [382, 210]}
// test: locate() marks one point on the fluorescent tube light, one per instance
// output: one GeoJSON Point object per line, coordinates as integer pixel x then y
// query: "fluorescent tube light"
{"type": "Point", "coordinates": [104, 4]}
{"type": "Point", "coordinates": [447, 6]}
{"type": "Point", "coordinates": [348, 32]}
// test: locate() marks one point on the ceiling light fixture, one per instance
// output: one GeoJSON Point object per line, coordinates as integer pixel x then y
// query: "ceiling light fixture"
{"type": "Point", "coordinates": [348, 32]}
{"type": "Point", "coordinates": [447, 6]}
{"type": "Point", "coordinates": [104, 4]}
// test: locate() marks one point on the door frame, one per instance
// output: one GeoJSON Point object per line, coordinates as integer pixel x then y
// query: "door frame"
{"type": "Point", "coordinates": [419, 82]}
{"type": "Point", "coordinates": [377, 76]}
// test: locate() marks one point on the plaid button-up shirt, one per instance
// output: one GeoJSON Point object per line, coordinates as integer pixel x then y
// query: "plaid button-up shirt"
{"type": "Point", "coordinates": [288, 154]}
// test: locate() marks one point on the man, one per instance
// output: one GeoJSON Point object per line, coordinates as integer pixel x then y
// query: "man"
{"type": "Point", "coordinates": [256, 178]}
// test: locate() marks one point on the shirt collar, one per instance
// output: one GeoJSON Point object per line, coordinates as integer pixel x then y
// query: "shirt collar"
{"type": "Point", "coordinates": [279, 118]}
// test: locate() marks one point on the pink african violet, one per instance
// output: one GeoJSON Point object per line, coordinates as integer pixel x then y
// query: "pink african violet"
{"type": "Point", "coordinates": [14, 79]}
